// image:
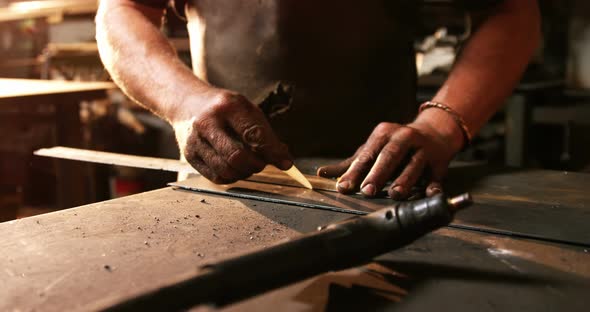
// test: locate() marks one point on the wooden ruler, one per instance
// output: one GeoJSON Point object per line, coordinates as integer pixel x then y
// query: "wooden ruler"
{"type": "Point", "coordinates": [269, 175]}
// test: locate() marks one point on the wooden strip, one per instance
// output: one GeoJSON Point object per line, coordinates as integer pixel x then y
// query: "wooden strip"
{"type": "Point", "coordinates": [270, 174]}
{"type": "Point", "coordinates": [116, 159]}
{"type": "Point", "coordinates": [10, 88]}
{"type": "Point", "coordinates": [39, 9]}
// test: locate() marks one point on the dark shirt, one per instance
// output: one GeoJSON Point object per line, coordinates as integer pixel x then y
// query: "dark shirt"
{"type": "Point", "coordinates": [334, 68]}
{"type": "Point", "coordinates": [154, 3]}
{"type": "Point", "coordinates": [466, 4]}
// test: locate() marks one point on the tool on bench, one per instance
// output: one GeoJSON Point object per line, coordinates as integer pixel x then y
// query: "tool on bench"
{"type": "Point", "coordinates": [338, 246]}
{"type": "Point", "coordinates": [294, 173]}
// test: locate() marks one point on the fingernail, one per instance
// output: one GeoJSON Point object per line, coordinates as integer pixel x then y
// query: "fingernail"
{"type": "Point", "coordinates": [396, 193]}
{"type": "Point", "coordinates": [254, 135]}
{"type": "Point", "coordinates": [321, 172]}
{"type": "Point", "coordinates": [369, 190]}
{"type": "Point", "coordinates": [435, 190]}
{"type": "Point", "coordinates": [343, 185]}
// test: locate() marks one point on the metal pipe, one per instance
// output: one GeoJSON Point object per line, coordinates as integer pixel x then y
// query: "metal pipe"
{"type": "Point", "coordinates": [338, 246]}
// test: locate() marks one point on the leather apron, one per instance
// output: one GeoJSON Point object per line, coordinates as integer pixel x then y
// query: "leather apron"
{"type": "Point", "coordinates": [326, 72]}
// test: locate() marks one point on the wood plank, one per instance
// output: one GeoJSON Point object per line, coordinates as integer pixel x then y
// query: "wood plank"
{"type": "Point", "coordinates": [10, 88]}
{"type": "Point", "coordinates": [108, 158]}
{"type": "Point", "coordinates": [48, 8]}
{"type": "Point", "coordinates": [270, 174]}
{"type": "Point", "coordinates": [56, 262]}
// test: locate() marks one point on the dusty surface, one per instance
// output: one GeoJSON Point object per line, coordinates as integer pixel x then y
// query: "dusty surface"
{"type": "Point", "coordinates": [92, 256]}
{"type": "Point", "coordinates": [79, 258]}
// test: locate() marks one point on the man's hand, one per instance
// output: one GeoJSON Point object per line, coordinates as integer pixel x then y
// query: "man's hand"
{"type": "Point", "coordinates": [220, 133]}
{"type": "Point", "coordinates": [482, 77]}
{"type": "Point", "coordinates": [227, 138]}
{"type": "Point", "coordinates": [429, 143]}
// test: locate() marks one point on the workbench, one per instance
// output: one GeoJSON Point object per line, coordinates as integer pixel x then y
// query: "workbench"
{"type": "Point", "coordinates": [42, 113]}
{"type": "Point", "coordinates": [524, 246]}
{"type": "Point", "coordinates": [53, 9]}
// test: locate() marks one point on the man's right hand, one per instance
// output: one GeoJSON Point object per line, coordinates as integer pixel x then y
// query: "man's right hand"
{"type": "Point", "coordinates": [227, 138]}
{"type": "Point", "coordinates": [220, 133]}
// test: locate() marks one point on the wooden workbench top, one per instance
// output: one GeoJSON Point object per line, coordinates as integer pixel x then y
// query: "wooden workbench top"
{"type": "Point", "coordinates": [49, 8]}
{"type": "Point", "coordinates": [89, 257]}
{"type": "Point", "coordinates": [10, 88]}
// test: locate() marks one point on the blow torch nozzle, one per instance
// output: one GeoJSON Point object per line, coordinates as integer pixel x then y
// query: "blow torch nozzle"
{"type": "Point", "coordinates": [460, 202]}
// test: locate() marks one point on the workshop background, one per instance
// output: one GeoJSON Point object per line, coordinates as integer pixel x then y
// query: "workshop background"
{"type": "Point", "coordinates": [544, 124]}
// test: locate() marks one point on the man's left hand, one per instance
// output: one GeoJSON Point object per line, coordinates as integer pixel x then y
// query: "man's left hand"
{"type": "Point", "coordinates": [426, 145]}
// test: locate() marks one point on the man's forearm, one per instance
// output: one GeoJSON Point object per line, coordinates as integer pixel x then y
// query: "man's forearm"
{"type": "Point", "coordinates": [141, 60]}
{"type": "Point", "coordinates": [492, 62]}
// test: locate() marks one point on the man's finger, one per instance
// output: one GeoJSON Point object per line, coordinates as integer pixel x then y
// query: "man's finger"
{"type": "Point", "coordinates": [434, 188]}
{"type": "Point", "coordinates": [336, 170]}
{"type": "Point", "coordinates": [222, 171]}
{"type": "Point", "coordinates": [361, 164]}
{"type": "Point", "coordinates": [252, 127]}
{"type": "Point", "coordinates": [264, 142]}
{"type": "Point", "coordinates": [234, 152]}
{"type": "Point", "coordinates": [438, 174]}
{"type": "Point", "coordinates": [388, 160]}
{"type": "Point", "coordinates": [401, 187]}
{"type": "Point", "coordinates": [197, 163]}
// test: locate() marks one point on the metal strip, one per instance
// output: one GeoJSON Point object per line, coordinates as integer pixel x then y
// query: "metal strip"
{"type": "Point", "coordinates": [353, 211]}
{"type": "Point", "coordinates": [269, 200]}
{"type": "Point", "coordinates": [517, 235]}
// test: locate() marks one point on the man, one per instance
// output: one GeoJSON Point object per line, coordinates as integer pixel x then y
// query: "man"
{"type": "Point", "coordinates": [320, 76]}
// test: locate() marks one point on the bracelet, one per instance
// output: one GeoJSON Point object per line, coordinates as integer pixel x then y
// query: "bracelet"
{"type": "Point", "coordinates": [458, 119]}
